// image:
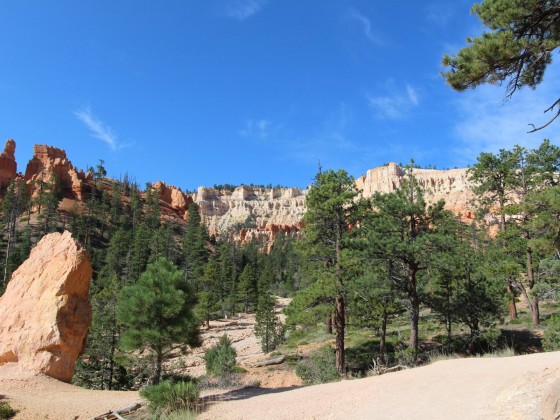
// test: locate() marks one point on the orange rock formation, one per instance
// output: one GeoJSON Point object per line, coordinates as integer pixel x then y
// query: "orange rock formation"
{"type": "Point", "coordinates": [45, 313]}
{"type": "Point", "coordinates": [173, 197]}
{"type": "Point", "coordinates": [8, 165]}
{"type": "Point", "coordinates": [47, 160]}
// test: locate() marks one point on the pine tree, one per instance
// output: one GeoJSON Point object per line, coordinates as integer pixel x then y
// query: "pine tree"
{"type": "Point", "coordinates": [195, 245]}
{"type": "Point", "coordinates": [268, 328]}
{"type": "Point", "coordinates": [330, 211]}
{"type": "Point", "coordinates": [517, 49]}
{"type": "Point", "coordinates": [157, 314]}
{"type": "Point", "coordinates": [247, 288]}
{"type": "Point", "coordinates": [208, 292]}
{"type": "Point", "coordinates": [403, 229]}
{"type": "Point", "coordinates": [140, 252]}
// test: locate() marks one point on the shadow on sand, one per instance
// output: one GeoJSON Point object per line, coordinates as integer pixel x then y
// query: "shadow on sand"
{"type": "Point", "coordinates": [242, 394]}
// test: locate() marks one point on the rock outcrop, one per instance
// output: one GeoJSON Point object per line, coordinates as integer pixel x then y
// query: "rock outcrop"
{"type": "Point", "coordinates": [8, 165]}
{"type": "Point", "coordinates": [246, 212]}
{"type": "Point", "coordinates": [48, 160]}
{"type": "Point", "coordinates": [173, 197]}
{"type": "Point", "coordinates": [451, 185]}
{"type": "Point", "coordinates": [45, 313]}
{"type": "Point", "coordinates": [259, 211]}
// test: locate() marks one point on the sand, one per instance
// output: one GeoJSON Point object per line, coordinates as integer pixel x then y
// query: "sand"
{"type": "Point", "coordinates": [477, 388]}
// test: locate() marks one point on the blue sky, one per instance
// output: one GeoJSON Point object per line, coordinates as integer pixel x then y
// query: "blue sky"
{"type": "Point", "coordinates": [203, 92]}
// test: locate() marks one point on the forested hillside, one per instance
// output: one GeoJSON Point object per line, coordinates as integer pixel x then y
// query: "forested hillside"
{"type": "Point", "coordinates": [357, 263]}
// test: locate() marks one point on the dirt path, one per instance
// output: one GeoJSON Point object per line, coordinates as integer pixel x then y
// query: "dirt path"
{"type": "Point", "coordinates": [484, 388]}
{"type": "Point", "coordinates": [41, 397]}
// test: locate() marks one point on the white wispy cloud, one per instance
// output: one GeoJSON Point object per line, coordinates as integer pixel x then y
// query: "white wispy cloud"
{"type": "Point", "coordinates": [243, 9]}
{"type": "Point", "coordinates": [98, 129]}
{"type": "Point", "coordinates": [365, 25]}
{"type": "Point", "coordinates": [256, 128]}
{"type": "Point", "coordinates": [488, 123]}
{"type": "Point", "coordinates": [396, 104]}
{"type": "Point", "coordinates": [439, 13]}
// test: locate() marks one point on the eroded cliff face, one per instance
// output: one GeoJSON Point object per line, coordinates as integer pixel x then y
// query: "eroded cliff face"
{"type": "Point", "coordinates": [246, 212]}
{"type": "Point", "coordinates": [451, 185]}
{"type": "Point", "coordinates": [283, 209]}
{"type": "Point", "coordinates": [47, 160]}
{"type": "Point", "coordinates": [258, 212]}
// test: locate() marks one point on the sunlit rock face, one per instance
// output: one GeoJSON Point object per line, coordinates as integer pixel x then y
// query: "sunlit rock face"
{"type": "Point", "coordinates": [45, 313]}
{"type": "Point", "coordinates": [451, 185]}
{"type": "Point", "coordinates": [8, 165]}
{"type": "Point", "coordinates": [258, 211]}
{"type": "Point", "coordinates": [48, 160]}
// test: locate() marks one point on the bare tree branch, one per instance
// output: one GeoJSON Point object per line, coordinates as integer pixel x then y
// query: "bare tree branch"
{"type": "Point", "coordinates": [555, 104]}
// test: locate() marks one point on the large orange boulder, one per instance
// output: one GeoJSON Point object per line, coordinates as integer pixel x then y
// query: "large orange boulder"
{"type": "Point", "coordinates": [45, 313]}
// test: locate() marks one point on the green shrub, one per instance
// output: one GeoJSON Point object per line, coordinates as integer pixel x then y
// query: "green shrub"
{"type": "Point", "coordinates": [551, 339]}
{"type": "Point", "coordinates": [319, 368]}
{"type": "Point", "coordinates": [491, 338]}
{"type": "Point", "coordinates": [167, 397]}
{"type": "Point", "coordinates": [220, 359]}
{"type": "Point", "coordinates": [6, 411]}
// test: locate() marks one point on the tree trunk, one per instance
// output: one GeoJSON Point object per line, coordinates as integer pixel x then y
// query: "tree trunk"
{"type": "Point", "coordinates": [512, 306]}
{"type": "Point", "coordinates": [382, 341]}
{"type": "Point", "coordinates": [159, 361]}
{"type": "Point", "coordinates": [340, 324]}
{"type": "Point", "coordinates": [112, 359]}
{"type": "Point", "coordinates": [340, 311]}
{"type": "Point", "coordinates": [474, 333]}
{"type": "Point", "coordinates": [448, 327]}
{"type": "Point", "coordinates": [534, 306]}
{"type": "Point", "coordinates": [414, 310]}
{"type": "Point", "coordinates": [328, 325]}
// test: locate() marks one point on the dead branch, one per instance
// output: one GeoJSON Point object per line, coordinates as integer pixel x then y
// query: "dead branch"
{"type": "Point", "coordinates": [555, 104]}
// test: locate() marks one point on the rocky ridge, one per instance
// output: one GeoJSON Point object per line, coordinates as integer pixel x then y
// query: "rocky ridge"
{"type": "Point", "coordinates": [246, 212]}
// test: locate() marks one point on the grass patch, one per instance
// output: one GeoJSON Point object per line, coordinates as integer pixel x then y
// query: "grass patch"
{"type": "Point", "coordinates": [503, 352]}
{"type": "Point", "coordinates": [305, 336]}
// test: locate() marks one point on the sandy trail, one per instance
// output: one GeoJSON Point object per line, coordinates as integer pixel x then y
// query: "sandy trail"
{"type": "Point", "coordinates": [483, 388]}
{"type": "Point", "coordinates": [501, 388]}
{"type": "Point", "coordinates": [41, 397]}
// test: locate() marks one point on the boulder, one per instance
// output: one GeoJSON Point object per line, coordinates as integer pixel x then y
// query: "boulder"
{"type": "Point", "coordinates": [551, 402]}
{"type": "Point", "coordinates": [45, 313]}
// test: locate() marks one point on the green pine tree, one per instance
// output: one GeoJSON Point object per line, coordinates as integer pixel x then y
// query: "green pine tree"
{"type": "Point", "coordinates": [268, 328]}
{"type": "Point", "coordinates": [157, 314]}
